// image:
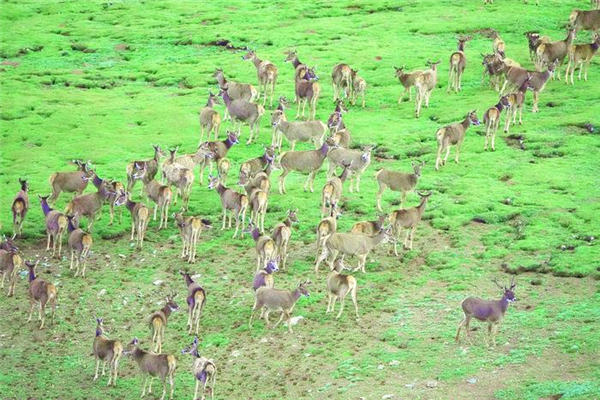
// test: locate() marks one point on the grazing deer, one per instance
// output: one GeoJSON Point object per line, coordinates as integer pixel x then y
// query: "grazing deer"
{"type": "Point", "coordinates": [153, 365]}
{"type": "Point", "coordinates": [40, 291]}
{"type": "Point", "coordinates": [341, 78]}
{"type": "Point", "coordinates": [56, 224]}
{"type": "Point", "coordinates": [516, 103]}
{"type": "Point", "coordinates": [196, 299]}
{"type": "Point", "coordinates": [303, 161]}
{"type": "Point", "coordinates": [282, 233]}
{"type": "Point", "coordinates": [232, 201]}
{"type": "Point", "coordinates": [180, 177]}
{"type": "Point", "coordinates": [397, 181]}
{"type": "Point", "coordinates": [491, 120]}
{"type": "Point", "coordinates": [278, 300]}
{"type": "Point", "coordinates": [190, 229]}
{"type": "Point", "coordinates": [216, 151]}
{"type": "Point", "coordinates": [407, 80]}
{"type": "Point", "coordinates": [586, 20]}
{"type": "Point", "coordinates": [264, 277]}
{"type": "Point", "coordinates": [10, 264]}
{"type": "Point", "coordinates": [267, 75]}
{"type": "Point", "coordinates": [256, 165]}
{"type": "Point", "coordinates": [242, 111]}
{"type": "Point", "coordinates": [326, 228]}
{"type": "Point", "coordinates": [139, 220]}
{"type": "Point", "coordinates": [332, 191]}
{"type": "Point", "coordinates": [458, 62]}
{"type": "Point", "coordinates": [554, 52]}
{"type": "Point", "coordinates": [70, 182]}
{"type": "Point", "coordinates": [453, 135]}
{"type": "Point", "coordinates": [359, 160]}
{"type": "Point", "coordinates": [408, 219]}
{"type": "Point", "coordinates": [338, 286]}
{"type": "Point", "coordinates": [359, 87]}
{"type": "Point", "coordinates": [491, 312]}
{"type": "Point", "coordinates": [79, 243]}
{"type": "Point", "coordinates": [298, 131]}
{"type": "Point", "coordinates": [108, 351]}
{"type": "Point", "coordinates": [158, 322]}
{"type": "Point", "coordinates": [204, 370]}
{"type": "Point", "coordinates": [20, 204]}
{"type": "Point", "coordinates": [308, 91]}
{"type": "Point", "coordinates": [235, 90]}
{"type": "Point", "coordinates": [581, 55]}
{"type": "Point", "coordinates": [160, 194]}
{"type": "Point", "coordinates": [425, 83]}
{"type": "Point", "coordinates": [265, 246]}
{"type": "Point", "coordinates": [151, 167]}
{"type": "Point", "coordinates": [369, 228]}
{"type": "Point", "coordinates": [498, 46]}
{"type": "Point", "coordinates": [352, 244]}
{"type": "Point", "coordinates": [210, 120]}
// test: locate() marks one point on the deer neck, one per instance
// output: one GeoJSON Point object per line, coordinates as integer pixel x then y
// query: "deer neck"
{"type": "Point", "coordinates": [97, 181]}
{"type": "Point", "coordinates": [344, 174]}
{"type": "Point", "coordinates": [31, 275]}
{"type": "Point", "coordinates": [324, 150]}
{"type": "Point", "coordinates": [255, 234]}
{"type": "Point", "coordinates": [167, 311]}
{"type": "Point", "coordinates": [503, 304]}
{"type": "Point", "coordinates": [296, 62]}
{"type": "Point", "coordinates": [594, 46]}
{"type": "Point", "coordinates": [188, 280]}
{"type": "Point", "coordinates": [210, 103]}
{"type": "Point", "coordinates": [138, 354]}
{"type": "Point", "coordinates": [421, 207]}
{"type": "Point", "coordinates": [130, 205]}
{"type": "Point", "coordinates": [226, 98]}
{"type": "Point", "coordinates": [257, 61]}
{"type": "Point", "coordinates": [45, 207]}
{"type": "Point", "coordinates": [466, 123]}
{"type": "Point", "coordinates": [156, 156]}
{"type": "Point", "coordinates": [99, 331]}
{"type": "Point", "coordinates": [499, 106]}
{"type": "Point", "coordinates": [70, 226]}
{"type": "Point", "coordinates": [296, 294]}
{"type": "Point", "coordinates": [221, 80]}
{"type": "Point", "coordinates": [221, 189]}
{"type": "Point", "coordinates": [228, 142]}
{"type": "Point", "coordinates": [265, 159]}
{"type": "Point", "coordinates": [461, 46]}
{"type": "Point", "coordinates": [288, 222]}
{"type": "Point", "coordinates": [375, 240]}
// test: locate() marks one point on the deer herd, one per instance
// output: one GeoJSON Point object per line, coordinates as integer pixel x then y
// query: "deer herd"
{"type": "Point", "coordinates": [332, 142]}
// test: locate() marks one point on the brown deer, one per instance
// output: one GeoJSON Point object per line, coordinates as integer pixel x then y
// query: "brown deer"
{"type": "Point", "coordinates": [408, 219]}
{"type": "Point", "coordinates": [359, 160]}
{"type": "Point", "coordinates": [458, 62]}
{"type": "Point", "coordinates": [190, 229]}
{"type": "Point", "coordinates": [40, 291]}
{"type": "Point", "coordinates": [279, 300]}
{"type": "Point", "coordinates": [79, 243]}
{"type": "Point", "coordinates": [242, 111]}
{"type": "Point", "coordinates": [264, 277]}
{"type": "Point", "coordinates": [534, 41]}
{"type": "Point", "coordinates": [20, 204]}
{"type": "Point", "coordinates": [223, 167]}
{"type": "Point", "coordinates": [256, 165]}
{"type": "Point", "coordinates": [425, 83]}
{"type": "Point", "coordinates": [232, 201]}
{"type": "Point", "coordinates": [282, 233]}
{"type": "Point", "coordinates": [581, 55]}
{"type": "Point", "coordinates": [153, 365]}
{"type": "Point", "coordinates": [10, 264]}
{"type": "Point", "coordinates": [116, 198]}
{"type": "Point", "coordinates": [160, 194]}
{"type": "Point", "coordinates": [70, 182]}
{"type": "Point", "coordinates": [308, 91]}
{"type": "Point", "coordinates": [516, 101]}
{"type": "Point", "coordinates": [397, 181]}
{"type": "Point", "coordinates": [453, 135]}
{"type": "Point", "coordinates": [216, 151]}
{"type": "Point", "coordinates": [341, 78]}
{"type": "Point", "coordinates": [586, 20]}
{"type": "Point", "coordinates": [491, 120]}
{"type": "Point", "coordinates": [326, 228]}
{"type": "Point", "coordinates": [202, 157]}
{"type": "Point", "coordinates": [359, 87]}
{"type": "Point", "coordinates": [267, 75]}
{"type": "Point", "coordinates": [204, 370]}
{"type": "Point", "coordinates": [407, 80]}
{"type": "Point", "coordinates": [338, 286]}
{"type": "Point", "coordinates": [158, 322]}
{"type": "Point", "coordinates": [298, 131]}
{"type": "Point", "coordinates": [139, 221]}
{"type": "Point", "coordinates": [196, 300]}
{"type": "Point", "coordinates": [210, 120]}
{"type": "Point", "coordinates": [335, 122]}
{"type": "Point", "coordinates": [299, 67]}
{"type": "Point", "coordinates": [235, 90]}
{"type": "Point", "coordinates": [108, 351]}
{"type": "Point", "coordinates": [151, 167]}
{"type": "Point", "coordinates": [266, 249]}
{"type": "Point", "coordinates": [303, 161]}
{"type": "Point", "coordinates": [260, 181]}
{"type": "Point", "coordinates": [259, 203]}
{"type": "Point", "coordinates": [56, 225]}
{"type": "Point", "coordinates": [554, 52]}
{"type": "Point", "coordinates": [332, 191]}
{"type": "Point", "coordinates": [180, 177]}
{"type": "Point", "coordinates": [369, 228]}
{"type": "Point", "coordinates": [498, 46]}
{"type": "Point", "coordinates": [491, 312]}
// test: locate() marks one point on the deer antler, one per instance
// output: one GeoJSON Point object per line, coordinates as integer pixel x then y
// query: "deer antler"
{"type": "Point", "coordinates": [512, 282]}
{"type": "Point", "coordinates": [497, 284]}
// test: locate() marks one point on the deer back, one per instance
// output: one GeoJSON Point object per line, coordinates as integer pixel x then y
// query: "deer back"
{"type": "Point", "coordinates": [306, 161]}
{"type": "Point", "coordinates": [340, 284]}
{"type": "Point", "coordinates": [277, 299]}
{"type": "Point", "coordinates": [69, 181]}
{"type": "Point", "coordinates": [56, 221]}
{"type": "Point", "coordinates": [398, 180]}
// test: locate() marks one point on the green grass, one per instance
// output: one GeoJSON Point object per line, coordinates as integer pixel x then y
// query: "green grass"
{"type": "Point", "coordinates": [105, 80]}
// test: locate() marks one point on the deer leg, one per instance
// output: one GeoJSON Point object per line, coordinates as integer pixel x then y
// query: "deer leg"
{"type": "Point", "coordinates": [450, 80]}
{"type": "Point", "coordinates": [587, 67]}
{"type": "Point", "coordinates": [382, 188]}
{"type": "Point", "coordinates": [447, 154]}
{"type": "Point", "coordinates": [535, 101]}
{"type": "Point", "coordinates": [357, 183]}
{"type": "Point", "coordinates": [103, 367]}
{"type": "Point", "coordinates": [467, 329]}
{"type": "Point", "coordinates": [460, 325]}
{"type": "Point", "coordinates": [42, 314]}
{"type": "Point", "coordinates": [97, 367]}
{"type": "Point", "coordinates": [196, 390]}
{"type": "Point", "coordinates": [342, 298]}
{"type": "Point", "coordinates": [329, 298]}
{"type": "Point", "coordinates": [224, 218]}
{"type": "Point", "coordinates": [353, 294]}
{"type": "Point", "coordinates": [321, 258]}
{"type": "Point", "coordinates": [144, 386]}
{"type": "Point", "coordinates": [312, 177]}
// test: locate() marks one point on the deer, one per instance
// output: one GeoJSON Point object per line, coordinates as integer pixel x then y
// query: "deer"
{"type": "Point", "coordinates": [283, 105]}
{"type": "Point", "coordinates": [554, 52]}
{"type": "Point", "coordinates": [202, 157]}
{"type": "Point", "coordinates": [80, 243]}
{"type": "Point", "coordinates": [210, 120]}
{"type": "Point", "coordinates": [235, 90]}
{"type": "Point", "coordinates": [498, 46]}
{"type": "Point", "coordinates": [339, 285]}
{"type": "Point", "coordinates": [369, 228]}
{"type": "Point", "coordinates": [278, 300]}
{"type": "Point", "coordinates": [223, 167]}
{"type": "Point", "coordinates": [108, 351]}
{"type": "Point", "coordinates": [70, 182]}
{"type": "Point", "coordinates": [586, 20]}
{"type": "Point", "coordinates": [491, 120]}
{"type": "Point", "coordinates": [493, 67]}
{"type": "Point", "coordinates": [453, 135]}
{"type": "Point", "coordinates": [282, 233]}
{"type": "Point", "coordinates": [158, 322]}
{"type": "Point", "coordinates": [307, 91]}
{"type": "Point", "coordinates": [267, 75]}
{"type": "Point", "coordinates": [298, 131]}
{"type": "Point", "coordinates": [534, 40]}
{"type": "Point", "coordinates": [264, 277]}
{"type": "Point", "coordinates": [116, 198]}
{"type": "Point", "coordinates": [56, 224]}
{"type": "Point", "coordinates": [242, 111]}
{"type": "Point", "coordinates": [180, 177]}
{"type": "Point", "coordinates": [139, 221]}
{"type": "Point", "coordinates": [190, 229]}
{"type": "Point", "coordinates": [359, 161]}
{"type": "Point", "coordinates": [335, 122]}
{"type": "Point", "coordinates": [407, 218]}
{"type": "Point", "coordinates": [538, 84]}
{"type": "Point", "coordinates": [581, 55]}
{"type": "Point", "coordinates": [407, 80]}
{"type": "Point", "coordinates": [359, 87]}
{"type": "Point", "coordinates": [338, 131]}
{"type": "Point", "coordinates": [196, 300]}
{"type": "Point", "coordinates": [341, 78]}
{"type": "Point", "coordinates": [151, 168]}
{"type": "Point", "coordinates": [516, 103]}
{"type": "Point", "coordinates": [488, 311]}
{"type": "Point", "coordinates": [215, 151]}
{"type": "Point", "coordinates": [232, 201]}
{"type": "Point", "coordinates": [20, 204]}
{"type": "Point", "coordinates": [204, 370]}
{"type": "Point", "coordinates": [265, 246]}
{"type": "Point", "coordinates": [303, 161]}
{"type": "Point", "coordinates": [40, 291]}
{"type": "Point", "coordinates": [10, 264]}
{"type": "Point", "coordinates": [160, 194]}
{"type": "Point", "coordinates": [299, 67]}
{"type": "Point", "coordinates": [256, 165]}
{"type": "Point", "coordinates": [259, 202]}
{"type": "Point", "coordinates": [458, 62]}
{"type": "Point", "coordinates": [258, 181]}
{"type": "Point", "coordinates": [326, 228]}
{"type": "Point", "coordinates": [332, 191]}
{"type": "Point", "coordinates": [424, 84]}
{"type": "Point", "coordinates": [397, 181]}
{"type": "Point", "coordinates": [153, 365]}
{"type": "Point", "coordinates": [352, 244]}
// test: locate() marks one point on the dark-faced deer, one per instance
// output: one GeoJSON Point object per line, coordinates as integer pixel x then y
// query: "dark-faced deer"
{"type": "Point", "coordinates": [140, 215]}
{"type": "Point", "coordinates": [214, 152]}
{"type": "Point", "coordinates": [407, 80]}
{"type": "Point", "coordinates": [79, 244]}
{"type": "Point", "coordinates": [264, 244]}
{"type": "Point", "coordinates": [160, 194]}
{"type": "Point", "coordinates": [10, 264]}
{"type": "Point", "coordinates": [20, 204]}
{"type": "Point", "coordinates": [210, 120]}
{"type": "Point", "coordinates": [534, 41]}
{"type": "Point", "coordinates": [292, 57]}
{"type": "Point", "coordinates": [260, 181]}
{"type": "Point", "coordinates": [425, 83]}
{"type": "Point", "coordinates": [586, 20]}
{"type": "Point", "coordinates": [397, 181]}
{"type": "Point", "coordinates": [40, 291]}
{"type": "Point", "coordinates": [458, 62]}
{"type": "Point", "coordinates": [232, 201]}
{"type": "Point", "coordinates": [204, 370]}
{"type": "Point", "coordinates": [516, 101]}
{"type": "Point", "coordinates": [453, 135]}
{"type": "Point", "coordinates": [408, 219]}
{"type": "Point", "coordinates": [339, 285]}
{"type": "Point", "coordinates": [369, 228]}
{"type": "Point", "coordinates": [309, 161]}
{"type": "Point", "coordinates": [341, 78]}
{"type": "Point", "coordinates": [554, 52]}
{"type": "Point", "coordinates": [359, 160]}
{"type": "Point", "coordinates": [498, 45]}
{"type": "Point", "coordinates": [491, 120]}
{"type": "Point", "coordinates": [190, 229]}
{"type": "Point", "coordinates": [279, 300]}
{"type": "Point", "coordinates": [195, 300]}
{"type": "Point", "coordinates": [335, 122]}
{"type": "Point", "coordinates": [308, 91]}
{"type": "Point", "coordinates": [153, 365]}
{"type": "Point", "coordinates": [70, 182]}
{"type": "Point", "coordinates": [332, 191]}
{"type": "Point", "coordinates": [56, 225]}
{"type": "Point", "coordinates": [158, 322]}
{"type": "Point", "coordinates": [151, 167]}
{"type": "Point", "coordinates": [298, 131]}
{"type": "Point", "coordinates": [108, 351]}
{"type": "Point", "coordinates": [256, 165]}
{"type": "Point", "coordinates": [359, 87]}
{"type": "Point", "coordinates": [242, 111]}
{"type": "Point", "coordinates": [581, 55]}
{"type": "Point", "coordinates": [264, 277]}
{"type": "Point", "coordinates": [267, 75]}
{"type": "Point", "coordinates": [282, 233]}
{"type": "Point", "coordinates": [326, 228]}
{"type": "Point", "coordinates": [235, 90]}
{"type": "Point", "coordinates": [491, 312]}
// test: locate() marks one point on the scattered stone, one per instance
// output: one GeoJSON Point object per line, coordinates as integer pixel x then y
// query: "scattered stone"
{"type": "Point", "coordinates": [122, 256]}
{"type": "Point", "coordinates": [124, 302]}
{"type": "Point", "coordinates": [107, 256]}
{"type": "Point", "coordinates": [101, 293]}
{"type": "Point", "coordinates": [264, 340]}
{"type": "Point", "coordinates": [387, 396]}
{"type": "Point", "coordinates": [294, 320]}
{"type": "Point", "coordinates": [307, 354]}
{"type": "Point", "coordinates": [394, 362]}
{"type": "Point", "coordinates": [472, 380]}
{"type": "Point", "coordinates": [236, 353]}
{"type": "Point", "coordinates": [380, 367]}
{"type": "Point", "coordinates": [431, 384]}
{"type": "Point", "coordinates": [157, 282]}
{"type": "Point", "coordinates": [409, 386]}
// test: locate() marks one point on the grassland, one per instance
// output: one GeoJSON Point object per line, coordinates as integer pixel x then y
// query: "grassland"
{"type": "Point", "coordinates": [102, 81]}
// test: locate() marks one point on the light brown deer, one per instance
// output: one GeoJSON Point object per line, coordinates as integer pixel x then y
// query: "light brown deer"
{"type": "Point", "coordinates": [40, 291]}
{"type": "Point", "coordinates": [332, 191]}
{"type": "Point", "coordinates": [407, 80]}
{"type": "Point", "coordinates": [153, 365]}
{"type": "Point", "coordinates": [232, 201]}
{"type": "Point", "coordinates": [20, 204]}
{"type": "Point", "coordinates": [339, 286]}
{"type": "Point", "coordinates": [79, 243]}
{"type": "Point", "coordinates": [204, 370]}
{"type": "Point", "coordinates": [260, 181]}
{"type": "Point", "coordinates": [554, 52]}
{"type": "Point", "coordinates": [196, 300]}
{"type": "Point", "coordinates": [235, 90]}
{"type": "Point", "coordinates": [214, 152]}
{"type": "Point", "coordinates": [140, 215]}
{"type": "Point", "coordinates": [303, 161]}
{"type": "Point", "coordinates": [70, 182]}
{"type": "Point", "coordinates": [407, 218]}
{"type": "Point", "coordinates": [256, 165]}
{"type": "Point", "coordinates": [458, 62]}
{"type": "Point", "coordinates": [259, 202]}
{"type": "Point", "coordinates": [359, 160]}
{"type": "Point", "coordinates": [425, 83]}
{"type": "Point", "coordinates": [326, 228]}
{"type": "Point", "coordinates": [369, 228]}
{"type": "Point", "coordinates": [498, 46]}
{"type": "Point", "coordinates": [282, 233]}
{"type": "Point", "coordinates": [341, 78]}
{"type": "Point", "coordinates": [359, 87]}
{"type": "Point", "coordinates": [56, 225]}
{"type": "Point", "coordinates": [491, 120]}
{"type": "Point", "coordinates": [160, 194]}
{"type": "Point", "coordinates": [210, 120]}
{"type": "Point", "coordinates": [266, 249]}
{"type": "Point", "coordinates": [108, 351]}
{"type": "Point", "coordinates": [308, 91]}
{"type": "Point", "coordinates": [158, 322]}
{"type": "Point", "coordinates": [278, 300]}
{"type": "Point", "coordinates": [397, 181]}
{"type": "Point", "coordinates": [299, 67]}
{"type": "Point", "coordinates": [242, 111]}
{"type": "Point", "coordinates": [298, 131]}
{"type": "Point", "coordinates": [150, 165]}
{"type": "Point", "coordinates": [453, 135]}
{"type": "Point", "coordinates": [190, 229]}
{"type": "Point", "coordinates": [581, 55]}
{"type": "Point", "coordinates": [10, 264]}
{"type": "Point", "coordinates": [180, 177]}
{"type": "Point", "coordinates": [267, 75]}
{"type": "Point", "coordinates": [586, 20]}
{"type": "Point", "coordinates": [516, 101]}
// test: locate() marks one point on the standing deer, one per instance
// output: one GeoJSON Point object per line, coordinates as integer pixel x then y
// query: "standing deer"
{"type": "Point", "coordinates": [516, 77]}
{"type": "Point", "coordinates": [259, 202]}
{"type": "Point", "coordinates": [232, 201]}
{"type": "Point", "coordinates": [335, 123]}
{"type": "Point", "coordinates": [498, 46]}
{"type": "Point", "coordinates": [458, 62]}
{"type": "Point", "coordinates": [264, 277]}
{"type": "Point", "coordinates": [203, 156]}
{"type": "Point", "coordinates": [491, 312]}
{"type": "Point", "coordinates": [586, 20]}
{"type": "Point", "coordinates": [338, 286]}
{"type": "Point", "coordinates": [554, 52]}
{"type": "Point", "coordinates": [265, 246]}
{"type": "Point", "coordinates": [359, 160]}
{"type": "Point", "coordinates": [196, 300]}
{"type": "Point", "coordinates": [298, 131]}
{"type": "Point", "coordinates": [397, 181]}
{"type": "Point", "coordinates": [210, 120]}
{"type": "Point", "coordinates": [256, 165]}
{"type": "Point", "coordinates": [153, 365]}
{"type": "Point", "coordinates": [216, 151]}
{"type": "Point", "coordinates": [10, 264]}
{"type": "Point", "coordinates": [204, 370]}
{"type": "Point", "coordinates": [235, 90]}
{"type": "Point", "coordinates": [267, 75]}
{"type": "Point", "coordinates": [283, 105]}
{"type": "Point", "coordinates": [242, 111]}
{"type": "Point", "coordinates": [408, 219]}
{"type": "Point", "coordinates": [79, 243]}
{"type": "Point", "coordinates": [303, 161]}
{"type": "Point", "coordinates": [139, 221]}
{"type": "Point", "coordinates": [70, 182]}
{"type": "Point", "coordinates": [491, 120]}
{"type": "Point", "coordinates": [326, 228]}
{"type": "Point", "coordinates": [292, 57]}
{"type": "Point", "coordinates": [40, 291]}
{"type": "Point", "coordinates": [20, 204]}
{"type": "Point", "coordinates": [534, 41]}
{"type": "Point", "coordinates": [516, 103]}
{"type": "Point", "coordinates": [359, 87]}
{"type": "Point", "coordinates": [453, 135]}
{"type": "Point", "coordinates": [158, 322]}
{"type": "Point", "coordinates": [160, 194]}
{"type": "Point", "coordinates": [341, 78]}
{"type": "Point", "coordinates": [116, 198]}
{"type": "Point", "coordinates": [190, 229]}
{"type": "Point", "coordinates": [260, 181]}
{"type": "Point", "coordinates": [150, 165]}
{"type": "Point", "coordinates": [278, 300]}
{"type": "Point", "coordinates": [56, 224]}
{"type": "Point", "coordinates": [407, 80]}
{"type": "Point", "coordinates": [108, 351]}
{"type": "Point", "coordinates": [581, 55]}
{"type": "Point", "coordinates": [332, 191]}
{"type": "Point", "coordinates": [369, 228]}
{"type": "Point", "coordinates": [425, 83]}
{"type": "Point", "coordinates": [307, 92]}
{"type": "Point", "coordinates": [180, 177]}
{"type": "Point", "coordinates": [282, 233]}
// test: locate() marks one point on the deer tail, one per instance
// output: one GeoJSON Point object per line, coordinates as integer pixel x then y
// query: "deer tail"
{"type": "Point", "coordinates": [62, 222]}
{"type": "Point", "coordinates": [172, 363]}
{"type": "Point", "coordinates": [52, 178]}
{"type": "Point", "coordinates": [244, 202]}
{"type": "Point", "coordinates": [377, 173]}
{"type": "Point", "coordinates": [86, 241]}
